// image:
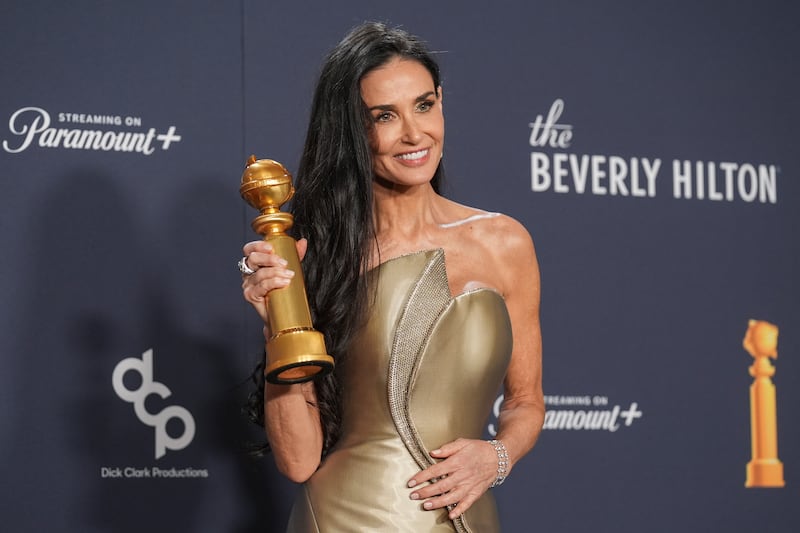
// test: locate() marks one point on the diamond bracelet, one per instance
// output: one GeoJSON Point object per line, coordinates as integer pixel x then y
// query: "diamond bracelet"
{"type": "Point", "coordinates": [502, 462]}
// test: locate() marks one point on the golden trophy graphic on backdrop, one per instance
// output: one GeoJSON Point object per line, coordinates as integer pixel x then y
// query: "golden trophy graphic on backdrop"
{"type": "Point", "coordinates": [295, 351]}
{"type": "Point", "coordinates": [765, 469]}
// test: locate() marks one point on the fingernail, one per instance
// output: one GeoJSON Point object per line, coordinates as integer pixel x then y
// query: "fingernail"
{"type": "Point", "coordinates": [436, 451]}
{"type": "Point", "coordinates": [282, 281]}
{"type": "Point", "coordinates": [282, 261]}
{"type": "Point", "coordinates": [414, 496]}
{"type": "Point", "coordinates": [412, 483]}
{"type": "Point", "coordinates": [427, 505]}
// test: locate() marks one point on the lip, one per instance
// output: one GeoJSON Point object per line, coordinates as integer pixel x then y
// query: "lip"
{"type": "Point", "coordinates": [424, 155]}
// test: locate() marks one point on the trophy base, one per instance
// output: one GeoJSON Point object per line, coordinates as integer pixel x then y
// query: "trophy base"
{"type": "Point", "coordinates": [764, 473]}
{"type": "Point", "coordinates": [298, 372]}
{"type": "Point", "coordinates": [296, 357]}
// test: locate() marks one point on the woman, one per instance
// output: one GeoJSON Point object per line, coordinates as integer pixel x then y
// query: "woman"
{"type": "Point", "coordinates": [421, 300]}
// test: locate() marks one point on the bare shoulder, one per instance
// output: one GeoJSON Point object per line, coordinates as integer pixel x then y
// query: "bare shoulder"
{"type": "Point", "coordinates": [514, 237]}
{"type": "Point", "coordinates": [500, 235]}
{"type": "Point", "coordinates": [503, 244]}
{"type": "Point", "coordinates": [509, 250]}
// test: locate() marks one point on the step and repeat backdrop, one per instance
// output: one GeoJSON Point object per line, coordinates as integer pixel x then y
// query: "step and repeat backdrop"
{"type": "Point", "coordinates": [649, 148]}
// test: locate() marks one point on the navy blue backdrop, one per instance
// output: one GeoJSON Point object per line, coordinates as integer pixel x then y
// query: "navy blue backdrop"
{"type": "Point", "coordinates": [647, 146]}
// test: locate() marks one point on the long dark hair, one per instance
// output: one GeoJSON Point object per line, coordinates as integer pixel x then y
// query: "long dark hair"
{"type": "Point", "coordinates": [332, 207]}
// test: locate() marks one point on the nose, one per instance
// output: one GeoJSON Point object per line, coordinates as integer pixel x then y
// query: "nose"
{"type": "Point", "coordinates": [412, 133]}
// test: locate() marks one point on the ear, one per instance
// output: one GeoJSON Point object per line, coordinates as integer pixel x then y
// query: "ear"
{"type": "Point", "coordinates": [440, 93]}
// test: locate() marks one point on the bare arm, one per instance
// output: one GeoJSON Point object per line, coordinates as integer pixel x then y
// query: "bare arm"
{"type": "Point", "coordinates": [522, 413]}
{"type": "Point", "coordinates": [293, 428]}
{"type": "Point", "coordinates": [291, 417]}
{"type": "Point", "coordinates": [469, 465]}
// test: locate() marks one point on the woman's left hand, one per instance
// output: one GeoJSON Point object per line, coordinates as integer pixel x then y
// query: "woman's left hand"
{"type": "Point", "coordinates": [467, 470]}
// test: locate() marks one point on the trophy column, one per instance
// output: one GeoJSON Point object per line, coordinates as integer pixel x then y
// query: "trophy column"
{"type": "Point", "coordinates": [765, 469]}
{"type": "Point", "coordinates": [295, 351]}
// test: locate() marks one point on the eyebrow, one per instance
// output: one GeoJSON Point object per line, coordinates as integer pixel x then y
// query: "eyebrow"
{"type": "Point", "coordinates": [390, 107]}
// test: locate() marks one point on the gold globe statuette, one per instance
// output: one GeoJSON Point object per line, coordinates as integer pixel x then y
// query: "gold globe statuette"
{"type": "Point", "coordinates": [765, 469]}
{"type": "Point", "coordinates": [296, 351]}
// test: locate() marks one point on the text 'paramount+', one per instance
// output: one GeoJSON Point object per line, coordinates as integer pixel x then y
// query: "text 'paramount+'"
{"type": "Point", "coordinates": [638, 177]}
{"type": "Point", "coordinates": [31, 126]}
{"type": "Point", "coordinates": [594, 413]}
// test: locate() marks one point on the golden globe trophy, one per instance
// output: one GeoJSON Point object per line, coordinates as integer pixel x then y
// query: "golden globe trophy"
{"type": "Point", "coordinates": [295, 351]}
{"type": "Point", "coordinates": [765, 469]}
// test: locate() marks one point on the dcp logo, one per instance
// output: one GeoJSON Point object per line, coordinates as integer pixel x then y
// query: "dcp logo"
{"type": "Point", "coordinates": [144, 367]}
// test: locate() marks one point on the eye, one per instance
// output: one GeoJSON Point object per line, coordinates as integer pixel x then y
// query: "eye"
{"type": "Point", "coordinates": [383, 116]}
{"type": "Point", "coordinates": [425, 105]}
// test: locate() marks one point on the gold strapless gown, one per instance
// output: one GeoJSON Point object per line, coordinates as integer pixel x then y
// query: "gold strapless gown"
{"type": "Point", "coordinates": [424, 371]}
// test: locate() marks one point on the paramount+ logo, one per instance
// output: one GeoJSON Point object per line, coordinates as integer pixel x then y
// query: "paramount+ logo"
{"type": "Point", "coordinates": [35, 127]}
{"type": "Point", "coordinates": [148, 386]}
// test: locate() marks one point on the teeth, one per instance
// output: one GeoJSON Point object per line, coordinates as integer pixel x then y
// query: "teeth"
{"type": "Point", "coordinates": [413, 156]}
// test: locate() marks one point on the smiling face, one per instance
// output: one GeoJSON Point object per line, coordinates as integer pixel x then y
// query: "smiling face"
{"type": "Point", "coordinates": [407, 122]}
